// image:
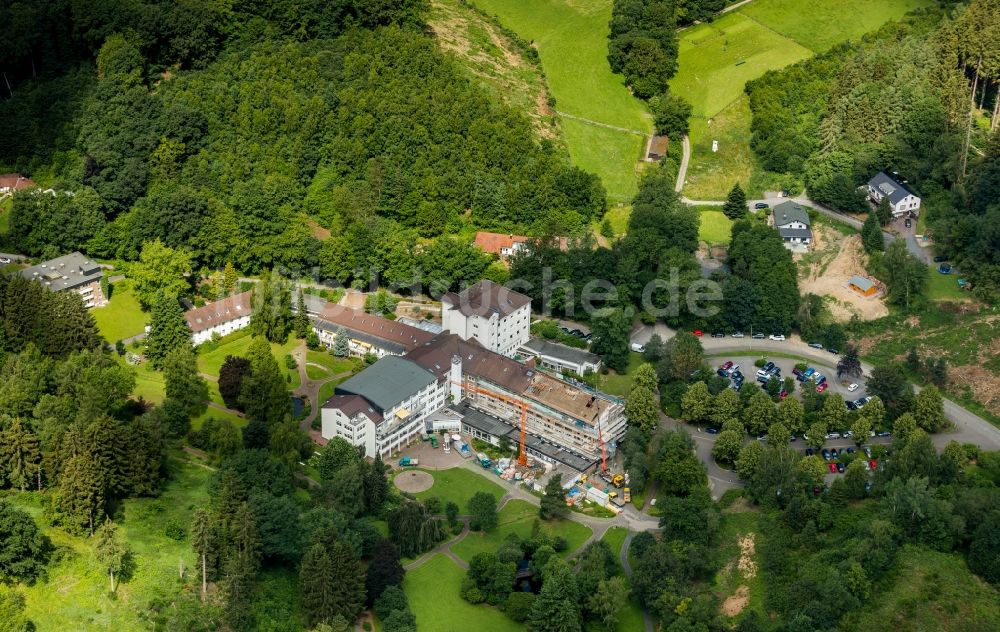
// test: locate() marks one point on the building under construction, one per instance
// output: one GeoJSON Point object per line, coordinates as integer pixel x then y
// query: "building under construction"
{"type": "Point", "coordinates": [562, 421]}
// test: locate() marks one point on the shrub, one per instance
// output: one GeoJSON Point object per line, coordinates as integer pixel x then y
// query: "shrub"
{"type": "Point", "coordinates": [759, 362]}
{"type": "Point", "coordinates": [290, 361]}
{"type": "Point", "coordinates": [174, 530]}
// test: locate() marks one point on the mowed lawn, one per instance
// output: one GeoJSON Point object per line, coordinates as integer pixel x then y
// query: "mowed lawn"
{"type": "Point", "coordinates": [944, 287]}
{"type": "Point", "coordinates": [572, 41]}
{"type": "Point", "coordinates": [711, 174]}
{"type": "Point", "coordinates": [715, 228]}
{"type": "Point", "coordinates": [711, 75]}
{"type": "Point", "coordinates": [122, 317]}
{"type": "Point", "coordinates": [518, 517]}
{"type": "Point", "coordinates": [457, 485]}
{"type": "Point", "coordinates": [621, 383]}
{"type": "Point", "coordinates": [630, 617]}
{"type": "Point", "coordinates": [821, 24]}
{"type": "Point", "coordinates": [237, 344]}
{"type": "Point", "coordinates": [433, 592]}
{"type": "Point", "coordinates": [74, 596]}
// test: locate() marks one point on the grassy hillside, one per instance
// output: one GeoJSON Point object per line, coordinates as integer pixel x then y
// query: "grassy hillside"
{"type": "Point", "coordinates": [716, 60]}
{"type": "Point", "coordinates": [931, 591]}
{"type": "Point", "coordinates": [494, 59]}
{"type": "Point", "coordinates": [571, 39]}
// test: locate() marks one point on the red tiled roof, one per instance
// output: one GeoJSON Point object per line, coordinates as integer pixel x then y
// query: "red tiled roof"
{"type": "Point", "coordinates": [218, 312]}
{"type": "Point", "coordinates": [351, 405]}
{"type": "Point", "coordinates": [493, 243]}
{"type": "Point", "coordinates": [372, 325]}
{"type": "Point", "coordinates": [15, 181]}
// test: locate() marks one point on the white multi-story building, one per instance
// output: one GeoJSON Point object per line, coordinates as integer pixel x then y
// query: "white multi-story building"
{"type": "Point", "coordinates": [902, 200]}
{"type": "Point", "coordinates": [219, 317]}
{"type": "Point", "coordinates": [385, 406]}
{"type": "Point", "coordinates": [497, 317]}
{"type": "Point", "coordinates": [70, 273]}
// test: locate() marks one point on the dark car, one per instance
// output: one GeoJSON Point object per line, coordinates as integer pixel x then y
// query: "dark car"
{"type": "Point", "coordinates": [908, 222]}
{"type": "Point", "coordinates": [832, 350]}
{"type": "Point", "coordinates": [722, 373]}
{"type": "Point", "coordinates": [816, 345]}
{"type": "Point", "coordinates": [718, 334]}
{"type": "Point", "coordinates": [711, 430]}
{"type": "Point", "coordinates": [940, 259]}
{"type": "Point", "coordinates": [834, 453]}
{"type": "Point", "coordinates": [768, 366]}
{"type": "Point", "coordinates": [944, 268]}
{"type": "Point", "coordinates": [840, 467]}
{"type": "Point", "coordinates": [884, 433]}
{"type": "Point", "coordinates": [826, 454]}
{"type": "Point", "coordinates": [850, 450]}
{"type": "Point", "coordinates": [760, 205]}
{"type": "Point", "coordinates": [851, 405]}
{"type": "Point", "coordinates": [759, 336]}
{"type": "Point", "coordinates": [809, 452]}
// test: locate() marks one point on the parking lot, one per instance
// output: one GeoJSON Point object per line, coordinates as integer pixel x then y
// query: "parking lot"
{"type": "Point", "coordinates": [786, 365]}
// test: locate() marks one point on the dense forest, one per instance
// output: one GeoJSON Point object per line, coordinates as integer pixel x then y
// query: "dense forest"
{"type": "Point", "coordinates": [919, 97]}
{"type": "Point", "coordinates": [241, 148]}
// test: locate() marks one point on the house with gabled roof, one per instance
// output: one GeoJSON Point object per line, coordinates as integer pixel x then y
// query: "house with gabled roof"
{"type": "Point", "coordinates": [219, 318]}
{"type": "Point", "coordinates": [902, 199]}
{"type": "Point", "coordinates": [792, 222]}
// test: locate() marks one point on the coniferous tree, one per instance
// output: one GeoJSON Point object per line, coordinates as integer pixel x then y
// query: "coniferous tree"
{"type": "Point", "coordinates": [384, 570]}
{"type": "Point", "coordinates": [553, 503]}
{"type": "Point", "coordinates": [556, 608]}
{"type": "Point", "coordinates": [871, 234]}
{"type": "Point", "coordinates": [112, 553]}
{"type": "Point", "coordinates": [341, 343]}
{"type": "Point", "coordinates": [349, 579]}
{"type": "Point", "coordinates": [883, 211]}
{"type": "Point", "coordinates": [271, 308]}
{"type": "Point", "coordinates": [184, 383]}
{"type": "Point", "coordinates": [231, 374]}
{"type": "Point", "coordinates": [237, 591]}
{"type": "Point", "coordinates": [318, 593]}
{"type": "Point", "coordinates": [167, 330]}
{"type": "Point", "coordinates": [264, 393]}
{"type": "Point", "coordinates": [735, 206]}
{"type": "Point", "coordinates": [20, 457]}
{"type": "Point", "coordinates": [201, 539]}
{"type": "Point", "coordinates": [375, 485]}
{"type": "Point", "coordinates": [302, 327]}
{"type": "Point", "coordinates": [229, 279]}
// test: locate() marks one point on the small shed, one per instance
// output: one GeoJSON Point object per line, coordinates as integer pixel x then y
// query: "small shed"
{"type": "Point", "coordinates": [657, 148]}
{"type": "Point", "coordinates": [862, 286]}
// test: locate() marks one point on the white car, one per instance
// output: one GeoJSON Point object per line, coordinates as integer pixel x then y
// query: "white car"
{"type": "Point", "coordinates": [4, 260]}
{"type": "Point", "coordinates": [776, 337]}
{"type": "Point", "coordinates": [852, 388]}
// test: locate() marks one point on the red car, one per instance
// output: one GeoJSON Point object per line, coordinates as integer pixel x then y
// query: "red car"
{"type": "Point", "coordinates": [727, 365]}
{"type": "Point", "coordinates": [782, 394]}
{"type": "Point", "coordinates": [822, 387]}
{"type": "Point", "coordinates": [873, 463]}
{"type": "Point", "coordinates": [697, 332]}
{"type": "Point", "coordinates": [833, 468]}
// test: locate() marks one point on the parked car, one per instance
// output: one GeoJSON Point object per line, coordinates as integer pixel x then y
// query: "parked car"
{"type": "Point", "coordinates": [711, 430]}
{"type": "Point", "coordinates": [833, 468]}
{"type": "Point", "coordinates": [810, 452]}
{"type": "Point", "coordinates": [884, 433]}
{"type": "Point", "coordinates": [833, 435]}
{"type": "Point", "coordinates": [822, 387]}
{"type": "Point", "coordinates": [834, 452]}
{"type": "Point", "coordinates": [852, 388]}
{"type": "Point", "coordinates": [763, 379]}
{"type": "Point", "coordinates": [944, 268]}
{"type": "Point", "coordinates": [868, 451]}
{"type": "Point", "coordinates": [760, 205]}
{"type": "Point", "coordinates": [718, 334]}
{"type": "Point", "coordinates": [776, 337]}
{"type": "Point", "coordinates": [847, 435]}
{"type": "Point", "coordinates": [861, 401]}
{"type": "Point", "coordinates": [758, 336]}
{"type": "Point", "coordinates": [767, 366]}
{"type": "Point", "coordinates": [868, 486]}
{"type": "Point", "coordinates": [850, 450]}
{"type": "Point", "coordinates": [734, 369]}
{"type": "Point", "coordinates": [873, 463]}
{"type": "Point", "coordinates": [850, 405]}
{"type": "Point", "coordinates": [698, 333]}
{"type": "Point", "coordinates": [4, 260]}
{"type": "Point", "coordinates": [737, 334]}
{"type": "Point", "coordinates": [940, 259]}
{"type": "Point", "coordinates": [722, 373]}
{"type": "Point", "coordinates": [826, 454]}
{"type": "Point", "coordinates": [840, 468]}
{"type": "Point", "coordinates": [796, 372]}
{"type": "Point", "coordinates": [728, 364]}
{"type": "Point", "coordinates": [908, 222]}
{"type": "Point", "coordinates": [638, 348]}
{"type": "Point", "coordinates": [783, 395]}
{"type": "Point", "coordinates": [816, 345]}
{"type": "Point", "coordinates": [809, 371]}
{"type": "Point", "coordinates": [832, 350]}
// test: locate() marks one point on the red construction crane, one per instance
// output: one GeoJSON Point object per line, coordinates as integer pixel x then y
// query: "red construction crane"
{"type": "Point", "coordinates": [522, 457]}
{"type": "Point", "coordinates": [604, 451]}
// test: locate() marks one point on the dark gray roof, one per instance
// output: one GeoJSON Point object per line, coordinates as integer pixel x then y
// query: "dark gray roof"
{"type": "Point", "coordinates": [388, 382]}
{"type": "Point", "coordinates": [390, 346]}
{"type": "Point", "coordinates": [538, 346]}
{"type": "Point", "coordinates": [791, 233]}
{"type": "Point", "coordinates": [64, 273]}
{"type": "Point", "coordinates": [486, 298]}
{"type": "Point", "coordinates": [788, 212]}
{"type": "Point", "coordinates": [498, 428]}
{"type": "Point", "coordinates": [890, 186]}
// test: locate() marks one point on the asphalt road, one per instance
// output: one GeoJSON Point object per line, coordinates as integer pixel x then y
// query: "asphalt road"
{"type": "Point", "coordinates": [14, 258]}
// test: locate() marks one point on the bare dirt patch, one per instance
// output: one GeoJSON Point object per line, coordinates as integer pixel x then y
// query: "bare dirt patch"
{"type": "Point", "coordinates": [735, 604]}
{"type": "Point", "coordinates": [984, 385]}
{"type": "Point", "coordinates": [413, 481]}
{"type": "Point", "coordinates": [740, 506]}
{"type": "Point", "coordinates": [746, 563]}
{"type": "Point", "coordinates": [826, 269]}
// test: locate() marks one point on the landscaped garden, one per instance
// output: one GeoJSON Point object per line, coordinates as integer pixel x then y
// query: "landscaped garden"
{"type": "Point", "coordinates": [518, 517]}
{"type": "Point", "coordinates": [458, 485]}
{"type": "Point", "coordinates": [433, 591]}
{"type": "Point", "coordinates": [237, 344]}
{"type": "Point", "coordinates": [122, 317]}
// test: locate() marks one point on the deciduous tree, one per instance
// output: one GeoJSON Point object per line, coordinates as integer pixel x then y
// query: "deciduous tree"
{"type": "Point", "coordinates": [483, 511]}
{"type": "Point", "coordinates": [112, 553]}
{"type": "Point", "coordinates": [641, 408]}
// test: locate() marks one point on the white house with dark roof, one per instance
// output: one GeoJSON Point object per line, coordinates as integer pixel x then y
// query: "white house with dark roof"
{"type": "Point", "coordinates": [792, 222]}
{"type": "Point", "coordinates": [559, 358]}
{"type": "Point", "coordinates": [902, 199]}
{"type": "Point", "coordinates": [496, 316]}
{"type": "Point", "coordinates": [70, 273]}
{"type": "Point", "coordinates": [219, 317]}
